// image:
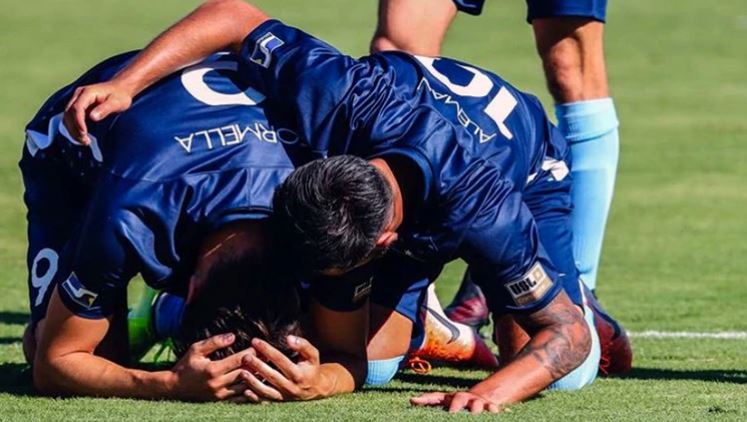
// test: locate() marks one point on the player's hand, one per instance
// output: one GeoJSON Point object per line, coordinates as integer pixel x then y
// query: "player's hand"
{"type": "Point", "coordinates": [458, 401]}
{"type": "Point", "coordinates": [200, 379]}
{"type": "Point", "coordinates": [287, 380]}
{"type": "Point", "coordinates": [94, 102]}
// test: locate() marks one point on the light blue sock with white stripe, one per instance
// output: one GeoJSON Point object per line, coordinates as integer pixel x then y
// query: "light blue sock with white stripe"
{"type": "Point", "coordinates": [591, 129]}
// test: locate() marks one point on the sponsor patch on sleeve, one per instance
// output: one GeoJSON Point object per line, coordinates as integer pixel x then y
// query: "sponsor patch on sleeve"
{"type": "Point", "coordinates": [262, 54]}
{"type": "Point", "coordinates": [531, 287]}
{"type": "Point", "coordinates": [79, 294]}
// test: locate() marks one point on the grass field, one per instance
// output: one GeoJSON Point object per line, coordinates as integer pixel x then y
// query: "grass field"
{"type": "Point", "coordinates": [675, 251]}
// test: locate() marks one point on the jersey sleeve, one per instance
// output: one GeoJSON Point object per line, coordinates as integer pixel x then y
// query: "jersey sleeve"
{"type": "Point", "coordinates": [330, 95]}
{"type": "Point", "coordinates": [118, 238]}
{"type": "Point", "coordinates": [103, 261]}
{"type": "Point", "coordinates": [503, 249]}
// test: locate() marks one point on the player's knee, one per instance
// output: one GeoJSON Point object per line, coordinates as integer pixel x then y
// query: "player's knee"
{"type": "Point", "coordinates": [382, 371]}
{"type": "Point", "coordinates": [586, 373]}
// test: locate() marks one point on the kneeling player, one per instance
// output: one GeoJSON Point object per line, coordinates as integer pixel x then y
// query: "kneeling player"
{"type": "Point", "coordinates": [178, 190]}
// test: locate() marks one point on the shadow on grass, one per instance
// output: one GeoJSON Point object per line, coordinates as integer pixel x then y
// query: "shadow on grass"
{"type": "Point", "coordinates": [15, 378]}
{"type": "Point", "coordinates": [10, 340]}
{"type": "Point", "coordinates": [14, 318]}
{"type": "Point", "coordinates": [733, 376]}
{"type": "Point", "coordinates": [436, 380]}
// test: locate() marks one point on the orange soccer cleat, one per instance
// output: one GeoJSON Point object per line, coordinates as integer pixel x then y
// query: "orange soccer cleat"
{"type": "Point", "coordinates": [448, 341]}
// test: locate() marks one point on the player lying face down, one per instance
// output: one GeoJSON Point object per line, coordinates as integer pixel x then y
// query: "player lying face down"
{"type": "Point", "coordinates": [469, 167]}
{"type": "Point", "coordinates": [185, 206]}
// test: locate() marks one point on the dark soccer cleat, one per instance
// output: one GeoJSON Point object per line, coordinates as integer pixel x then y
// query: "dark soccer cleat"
{"type": "Point", "coordinates": [469, 306]}
{"type": "Point", "coordinates": [617, 354]}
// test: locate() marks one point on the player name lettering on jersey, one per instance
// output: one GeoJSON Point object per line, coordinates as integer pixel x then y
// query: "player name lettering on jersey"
{"type": "Point", "coordinates": [461, 115]}
{"type": "Point", "coordinates": [227, 136]}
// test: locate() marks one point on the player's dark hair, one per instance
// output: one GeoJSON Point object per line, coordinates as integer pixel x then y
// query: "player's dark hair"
{"type": "Point", "coordinates": [239, 299]}
{"type": "Point", "coordinates": [329, 213]}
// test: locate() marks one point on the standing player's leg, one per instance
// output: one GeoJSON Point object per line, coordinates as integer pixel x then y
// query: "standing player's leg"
{"type": "Point", "coordinates": [415, 26]}
{"type": "Point", "coordinates": [569, 37]}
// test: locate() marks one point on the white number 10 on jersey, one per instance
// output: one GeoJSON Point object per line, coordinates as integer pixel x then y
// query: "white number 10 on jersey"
{"type": "Point", "coordinates": [499, 108]}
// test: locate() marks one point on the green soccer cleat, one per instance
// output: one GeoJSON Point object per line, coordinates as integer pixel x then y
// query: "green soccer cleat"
{"type": "Point", "coordinates": [140, 330]}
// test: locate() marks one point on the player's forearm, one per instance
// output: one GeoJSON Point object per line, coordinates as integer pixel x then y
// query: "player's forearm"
{"type": "Point", "coordinates": [83, 373]}
{"type": "Point", "coordinates": [336, 380]}
{"type": "Point", "coordinates": [217, 25]}
{"type": "Point", "coordinates": [553, 352]}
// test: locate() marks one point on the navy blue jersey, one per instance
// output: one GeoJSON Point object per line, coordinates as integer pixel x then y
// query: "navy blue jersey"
{"type": "Point", "coordinates": [195, 151]}
{"type": "Point", "coordinates": [478, 141]}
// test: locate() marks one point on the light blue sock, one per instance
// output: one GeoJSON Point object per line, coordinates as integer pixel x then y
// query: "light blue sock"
{"type": "Point", "coordinates": [591, 129]}
{"type": "Point", "coordinates": [586, 373]}
{"type": "Point", "coordinates": [382, 371]}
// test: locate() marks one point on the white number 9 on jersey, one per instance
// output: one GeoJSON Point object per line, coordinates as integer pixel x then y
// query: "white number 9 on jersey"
{"type": "Point", "coordinates": [499, 108]}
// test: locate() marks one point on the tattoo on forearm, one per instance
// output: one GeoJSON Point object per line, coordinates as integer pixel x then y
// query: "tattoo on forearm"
{"type": "Point", "coordinates": [560, 337]}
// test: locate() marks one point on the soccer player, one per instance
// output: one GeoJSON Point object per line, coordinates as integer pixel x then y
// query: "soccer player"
{"type": "Point", "coordinates": [569, 39]}
{"type": "Point", "coordinates": [461, 164]}
{"type": "Point", "coordinates": [177, 189]}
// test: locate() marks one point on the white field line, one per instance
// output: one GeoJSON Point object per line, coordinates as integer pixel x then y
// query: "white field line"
{"type": "Point", "coordinates": [718, 335]}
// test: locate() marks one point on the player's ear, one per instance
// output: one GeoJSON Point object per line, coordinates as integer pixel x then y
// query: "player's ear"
{"type": "Point", "coordinates": [386, 239]}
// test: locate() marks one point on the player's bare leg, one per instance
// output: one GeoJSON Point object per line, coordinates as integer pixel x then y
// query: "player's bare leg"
{"type": "Point", "coordinates": [415, 26]}
{"type": "Point", "coordinates": [389, 341]}
{"type": "Point", "coordinates": [572, 52]}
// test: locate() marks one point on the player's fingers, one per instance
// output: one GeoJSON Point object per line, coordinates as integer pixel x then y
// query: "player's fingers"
{"type": "Point", "coordinates": [230, 363]}
{"type": "Point", "coordinates": [110, 105]}
{"type": "Point", "coordinates": [493, 408]}
{"type": "Point", "coordinates": [477, 406]}
{"type": "Point", "coordinates": [212, 344]}
{"type": "Point", "coordinates": [253, 397]}
{"type": "Point", "coordinates": [79, 111]}
{"type": "Point", "coordinates": [458, 402]}
{"type": "Point", "coordinates": [278, 358]}
{"type": "Point", "coordinates": [304, 348]}
{"type": "Point", "coordinates": [262, 390]}
{"type": "Point", "coordinates": [229, 379]}
{"type": "Point", "coordinates": [263, 370]}
{"type": "Point", "coordinates": [74, 97]}
{"type": "Point", "coordinates": [428, 399]}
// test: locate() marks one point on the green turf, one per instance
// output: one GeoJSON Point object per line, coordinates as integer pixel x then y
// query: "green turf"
{"type": "Point", "coordinates": [674, 257]}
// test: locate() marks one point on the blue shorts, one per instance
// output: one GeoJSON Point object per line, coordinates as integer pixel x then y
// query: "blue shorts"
{"type": "Point", "coordinates": [537, 9]}
{"type": "Point", "coordinates": [57, 192]}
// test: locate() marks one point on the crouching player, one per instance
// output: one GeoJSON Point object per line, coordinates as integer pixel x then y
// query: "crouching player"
{"type": "Point", "coordinates": [178, 190]}
{"type": "Point", "coordinates": [461, 165]}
